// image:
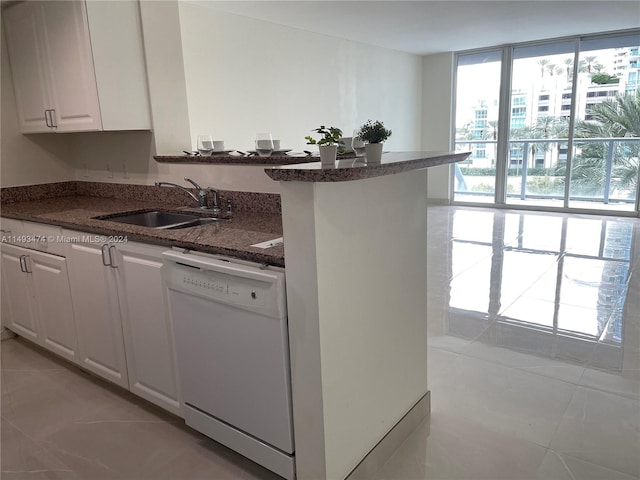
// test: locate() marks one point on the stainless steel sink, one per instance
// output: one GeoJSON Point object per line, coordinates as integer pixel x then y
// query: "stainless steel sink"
{"type": "Point", "coordinates": [194, 223]}
{"type": "Point", "coordinates": [160, 220]}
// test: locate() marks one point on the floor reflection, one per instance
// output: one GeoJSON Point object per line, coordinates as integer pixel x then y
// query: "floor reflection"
{"type": "Point", "coordinates": [554, 285]}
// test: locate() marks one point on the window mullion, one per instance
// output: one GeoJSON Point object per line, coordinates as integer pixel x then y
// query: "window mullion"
{"type": "Point", "coordinates": [572, 122]}
{"type": "Point", "coordinates": [504, 119]}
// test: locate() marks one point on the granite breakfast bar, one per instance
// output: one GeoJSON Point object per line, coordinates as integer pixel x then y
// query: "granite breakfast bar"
{"type": "Point", "coordinates": [355, 243]}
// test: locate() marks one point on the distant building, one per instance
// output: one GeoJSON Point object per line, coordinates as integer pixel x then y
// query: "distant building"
{"type": "Point", "coordinates": [549, 95]}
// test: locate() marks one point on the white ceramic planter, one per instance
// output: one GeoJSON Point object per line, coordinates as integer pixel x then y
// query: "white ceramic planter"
{"type": "Point", "coordinates": [328, 154]}
{"type": "Point", "coordinates": [373, 152]}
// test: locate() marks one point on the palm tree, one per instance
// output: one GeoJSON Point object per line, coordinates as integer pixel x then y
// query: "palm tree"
{"type": "Point", "coordinates": [568, 63]}
{"type": "Point", "coordinates": [465, 132]}
{"type": "Point", "coordinates": [590, 61]}
{"type": "Point", "coordinates": [493, 132]}
{"type": "Point", "coordinates": [582, 67]}
{"type": "Point", "coordinates": [546, 127]}
{"type": "Point", "coordinates": [610, 119]}
{"type": "Point", "coordinates": [543, 62]}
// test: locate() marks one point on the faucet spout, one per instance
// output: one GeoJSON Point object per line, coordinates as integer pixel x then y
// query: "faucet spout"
{"type": "Point", "coordinates": [184, 189]}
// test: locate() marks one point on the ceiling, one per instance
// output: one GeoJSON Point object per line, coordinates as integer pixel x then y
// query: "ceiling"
{"type": "Point", "coordinates": [427, 27]}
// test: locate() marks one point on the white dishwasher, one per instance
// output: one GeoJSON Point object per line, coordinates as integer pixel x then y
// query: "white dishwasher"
{"type": "Point", "coordinates": [230, 326]}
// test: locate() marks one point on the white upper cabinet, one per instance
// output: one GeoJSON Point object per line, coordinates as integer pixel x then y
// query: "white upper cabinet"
{"type": "Point", "coordinates": [118, 59]}
{"type": "Point", "coordinates": [24, 25]}
{"type": "Point", "coordinates": [78, 66]}
{"type": "Point", "coordinates": [73, 83]}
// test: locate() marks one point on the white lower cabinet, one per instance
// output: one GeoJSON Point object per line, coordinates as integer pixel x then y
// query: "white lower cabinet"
{"type": "Point", "coordinates": [148, 336]}
{"type": "Point", "coordinates": [123, 324]}
{"type": "Point", "coordinates": [101, 305]}
{"type": "Point", "coordinates": [17, 293]}
{"type": "Point", "coordinates": [95, 304]}
{"type": "Point", "coordinates": [38, 299]}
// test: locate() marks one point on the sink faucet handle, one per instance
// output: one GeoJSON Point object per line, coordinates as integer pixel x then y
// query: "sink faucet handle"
{"type": "Point", "coordinates": [202, 193]}
{"type": "Point", "coordinates": [216, 193]}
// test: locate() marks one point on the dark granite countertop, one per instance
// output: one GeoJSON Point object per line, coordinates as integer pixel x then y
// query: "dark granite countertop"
{"type": "Point", "coordinates": [232, 237]}
{"type": "Point", "coordinates": [357, 169]}
{"type": "Point", "coordinates": [237, 159]}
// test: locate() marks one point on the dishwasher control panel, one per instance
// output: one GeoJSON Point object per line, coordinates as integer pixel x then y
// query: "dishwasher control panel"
{"type": "Point", "coordinates": [214, 284]}
{"type": "Point", "coordinates": [243, 287]}
{"type": "Point", "coordinates": [206, 284]}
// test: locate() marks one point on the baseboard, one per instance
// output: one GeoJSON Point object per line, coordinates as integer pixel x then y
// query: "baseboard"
{"type": "Point", "coordinates": [438, 201]}
{"type": "Point", "coordinates": [379, 455]}
{"type": "Point", "coordinates": [6, 334]}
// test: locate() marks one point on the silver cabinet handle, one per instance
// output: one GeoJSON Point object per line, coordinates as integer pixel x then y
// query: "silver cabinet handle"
{"type": "Point", "coordinates": [103, 261]}
{"type": "Point", "coordinates": [111, 257]}
{"type": "Point", "coordinates": [54, 124]}
{"type": "Point", "coordinates": [48, 116]}
{"type": "Point", "coordinates": [24, 266]}
{"type": "Point", "coordinates": [27, 261]}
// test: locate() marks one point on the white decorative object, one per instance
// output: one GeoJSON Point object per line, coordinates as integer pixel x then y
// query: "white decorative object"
{"type": "Point", "coordinates": [264, 144]}
{"type": "Point", "coordinates": [328, 154]}
{"type": "Point", "coordinates": [373, 152]}
{"type": "Point", "coordinates": [357, 144]}
{"type": "Point", "coordinates": [204, 144]}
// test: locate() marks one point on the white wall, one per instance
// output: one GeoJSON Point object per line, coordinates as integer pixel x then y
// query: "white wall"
{"type": "Point", "coordinates": [27, 159]}
{"type": "Point", "coordinates": [246, 76]}
{"type": "Point", "coordinates": [437, 116]}
{"type": "Point", "coordinates": [213, 72]}
{"type": "Point", "coordinates": [127, 157]}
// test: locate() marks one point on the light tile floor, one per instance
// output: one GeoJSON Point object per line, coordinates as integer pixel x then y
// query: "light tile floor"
{"type": "Point", "coordinates": [534, 369]}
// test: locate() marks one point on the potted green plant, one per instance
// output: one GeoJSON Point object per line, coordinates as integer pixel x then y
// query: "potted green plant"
{"type": "Point", "coordinates": [328, 144]}
{"type": "Point", "coordinates": [374, 134]}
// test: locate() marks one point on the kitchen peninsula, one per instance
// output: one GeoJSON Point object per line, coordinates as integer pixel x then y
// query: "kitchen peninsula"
{"type": "Point", "coordinates": [355, 243]}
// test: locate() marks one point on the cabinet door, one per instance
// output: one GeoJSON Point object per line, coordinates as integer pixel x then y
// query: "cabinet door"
{"type": "Point", "coordinates": [95, 306]}
{"type": "Point", "coordinates": [147, 331]}
{"type": "Point", "coordinates": [24, 25]}
{"type": "Point", "coordinates": [118, 60]}
{"type": "Point", "coordinates": [52, 304]}
{"type": "Point", "coordinates": [70, 66]}
{"type": "Point", "coordinates": [17, 290]}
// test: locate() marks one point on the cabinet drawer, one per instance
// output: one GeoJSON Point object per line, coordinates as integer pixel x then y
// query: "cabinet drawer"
{"type": "Point", "coordinates": [10, 229]}
{"type": "Point", "coordinates": [44, 238]}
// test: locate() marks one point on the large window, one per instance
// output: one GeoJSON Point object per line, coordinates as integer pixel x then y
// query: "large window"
{"type": "Point", "coordinates": [478, 78]}
{"type": "Point", "coordinates": [536, 69]}
{"type": "Point", "coordinates": [562, 132]}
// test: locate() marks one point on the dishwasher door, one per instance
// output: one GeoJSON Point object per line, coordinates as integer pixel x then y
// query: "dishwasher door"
{"type": "Point", "coordinates": [232, 347]}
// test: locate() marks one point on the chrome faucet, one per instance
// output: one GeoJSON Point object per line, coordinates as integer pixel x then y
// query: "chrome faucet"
{"type": "Point", "coordinates": [202, 193]}
{"type": "Point", "coordinates": [216, 196]}
{"type": "Point", "coordinates": [201, 197]}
